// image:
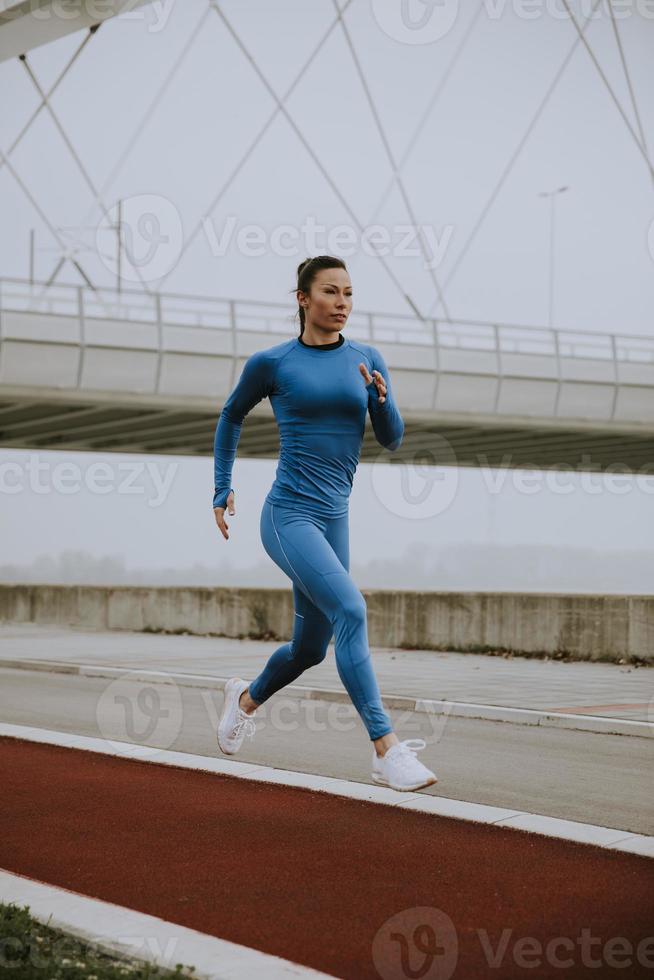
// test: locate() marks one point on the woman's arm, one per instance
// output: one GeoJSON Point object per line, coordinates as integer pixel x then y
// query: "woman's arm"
{"type": "Point", "coordinates": [254, 384]}
{"type": "Point", "coordinates": [387, 423]}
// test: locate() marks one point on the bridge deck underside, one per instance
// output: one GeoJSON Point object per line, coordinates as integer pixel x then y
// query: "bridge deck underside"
{"type": "Point", "coordinates": [60, 425]}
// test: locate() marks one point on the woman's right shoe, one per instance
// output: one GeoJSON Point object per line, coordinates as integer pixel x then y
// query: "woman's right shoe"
{"type": "Point", "coordinates": [400, 769]}
{"type": "Point", "coordinates": [234, 723]}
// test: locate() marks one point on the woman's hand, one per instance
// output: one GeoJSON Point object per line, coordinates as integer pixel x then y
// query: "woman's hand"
{"type": "Point", "coordinates": [378, 379]}
{"type": "Point", "coordinates": [219, 514]}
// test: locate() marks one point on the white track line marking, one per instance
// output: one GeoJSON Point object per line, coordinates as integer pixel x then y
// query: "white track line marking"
{"type": "Point", "coordinates": [608, 838]}
{"type": "Point", "coordinates": [127, 933]}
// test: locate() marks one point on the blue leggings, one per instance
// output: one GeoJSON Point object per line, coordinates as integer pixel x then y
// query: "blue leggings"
{"type": "Point", "coordinates": [314, 553]}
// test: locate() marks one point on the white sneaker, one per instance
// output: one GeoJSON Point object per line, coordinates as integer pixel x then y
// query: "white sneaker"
{"type": "Point", "coordinates": [400, 769]}
{"type": "Point", "coordinates": [234, 723]}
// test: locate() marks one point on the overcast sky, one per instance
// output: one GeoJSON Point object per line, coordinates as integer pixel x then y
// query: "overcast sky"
{"type": "Point", "coordinates": [489, 144]}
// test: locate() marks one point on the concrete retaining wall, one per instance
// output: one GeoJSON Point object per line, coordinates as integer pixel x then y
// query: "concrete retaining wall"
{"type": "Point", "coordinates": [584, 627]}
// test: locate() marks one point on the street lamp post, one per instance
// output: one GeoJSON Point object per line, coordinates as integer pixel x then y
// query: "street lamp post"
{"type": "Point", "coordinates": [552, 196]}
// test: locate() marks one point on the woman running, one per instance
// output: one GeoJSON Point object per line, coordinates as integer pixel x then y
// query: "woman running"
{"type": "Point", "coordinates": [320, 385]}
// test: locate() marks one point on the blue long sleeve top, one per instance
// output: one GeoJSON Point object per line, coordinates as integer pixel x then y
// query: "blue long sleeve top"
{"type": "Point", "coordinates": [319, 399]}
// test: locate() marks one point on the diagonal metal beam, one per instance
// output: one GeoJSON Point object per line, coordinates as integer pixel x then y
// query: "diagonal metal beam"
{"type": "Point", "coordinates": [45, 101]}
{"type": "Point", "coordinates": [44, 218]}
{"type": "Point", "coordinates": [32, 23]}
{"type": "Point", "coordinates": [140, 127]}
{"type": "Point", "coordinates": [71, 149]}
{"type": "Point", "coordinates": [391, 159]}
{"type": "Point", "coordinates": [259, 136]}
{"type": "Point", "coordinates": [281, 107]}
{"type": "Point", "coordinates": [627, 75]}
{"type": "Point", "coordinates": [4, 158]}
{"type": "Point", "coordinates": [438, 91]}
{"type": "Point", "coordinates": [51, 92]}
{"type": "Point", "coordinates": [607, 85]}
{"type": "Point", "coordinates": [514, 156]}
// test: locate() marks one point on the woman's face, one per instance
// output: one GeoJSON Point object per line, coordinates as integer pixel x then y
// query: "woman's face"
{"type": "Point", "coordinates": [330, 301]}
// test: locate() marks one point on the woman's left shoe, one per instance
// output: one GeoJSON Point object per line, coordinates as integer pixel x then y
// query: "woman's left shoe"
{"type": "Point", "coordinates": [400, 769]}
{"type": "Point", "coordinates": [234, 723]}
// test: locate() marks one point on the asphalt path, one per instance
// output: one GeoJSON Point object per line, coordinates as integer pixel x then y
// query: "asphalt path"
{"type": "Point", "coordinates": [592, 778]}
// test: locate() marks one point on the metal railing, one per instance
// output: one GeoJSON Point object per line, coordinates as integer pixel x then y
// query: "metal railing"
{"type": "Point", "coordinates": [216, 313]}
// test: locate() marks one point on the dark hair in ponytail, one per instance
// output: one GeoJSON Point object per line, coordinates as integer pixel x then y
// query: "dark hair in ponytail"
{"type": "Point", "coordinates": [306, 273]}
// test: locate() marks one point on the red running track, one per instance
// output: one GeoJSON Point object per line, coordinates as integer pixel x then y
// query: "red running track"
{"type": "Point", "coordinates": [318, 879]}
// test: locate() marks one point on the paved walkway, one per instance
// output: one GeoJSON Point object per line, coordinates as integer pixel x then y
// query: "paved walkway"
{"type": "Point", "coordinates": [612, 690]}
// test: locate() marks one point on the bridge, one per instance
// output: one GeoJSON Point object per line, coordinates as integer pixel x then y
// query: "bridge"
{"type": "Point", "coordinates": [28, 24]}
{"type": "Point", "coordinates": [101, 370]}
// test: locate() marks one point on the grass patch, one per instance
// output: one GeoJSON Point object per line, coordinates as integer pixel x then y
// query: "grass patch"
{"type": "Point", "coordinates": [31, 950]}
